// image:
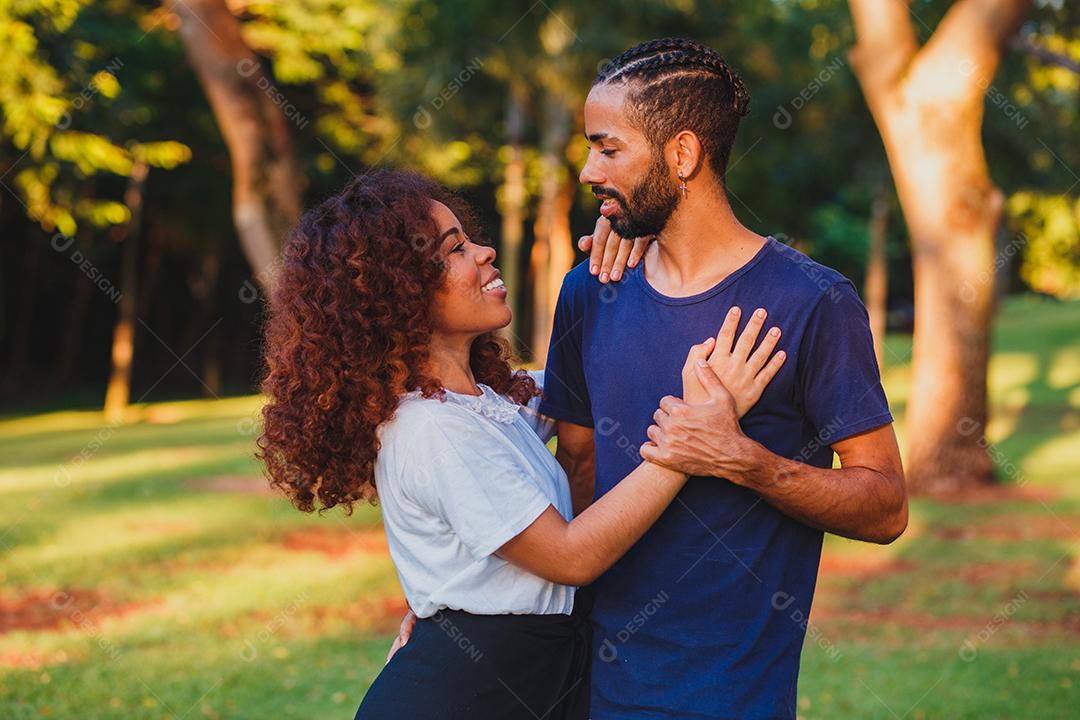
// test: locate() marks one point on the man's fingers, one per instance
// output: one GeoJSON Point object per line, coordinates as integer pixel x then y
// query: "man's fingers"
{"type": "Point", "coordinates": [764, 350]}
{"type": "Point", "coordinates": [668, 402]}
{"type": "Point", "coordinates": [767, 373]}
{"type": "Point", "coordinates": [611, 249]}
{"type": "Point", "coordinates": [394, 648]}
{"type": "Point", "coordinates": [625, 246]}
{"type": "Point", "coordinates": [710, 381]}
{"type": "Point", "coordinates": [749, 335]}
{"type": "Point", "coordinates": [726, 337]}
{"type": "Point", "coordinates": [599, 241]}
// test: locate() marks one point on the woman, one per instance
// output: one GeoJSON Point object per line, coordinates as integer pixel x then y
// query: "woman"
{"type": "Point", "coordinates": [386, 380]}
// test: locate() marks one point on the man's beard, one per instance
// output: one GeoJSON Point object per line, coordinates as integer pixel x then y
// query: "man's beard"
{"type": "Point", "coordinates": [650, 204]}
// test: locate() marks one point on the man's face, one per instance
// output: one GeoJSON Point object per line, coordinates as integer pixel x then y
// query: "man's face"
{"type": "Point", "coordinates": [637, 188]}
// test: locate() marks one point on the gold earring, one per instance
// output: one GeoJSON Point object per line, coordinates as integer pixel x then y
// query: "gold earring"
{"type": "Point", "coordinates": [682, 187]}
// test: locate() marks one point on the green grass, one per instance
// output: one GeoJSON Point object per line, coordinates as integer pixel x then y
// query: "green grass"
{"type": "Point", "coordinates": [138, 581]}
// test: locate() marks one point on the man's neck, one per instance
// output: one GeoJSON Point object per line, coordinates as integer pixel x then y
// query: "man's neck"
{"type": "Point", "coordinates": [701, 245]}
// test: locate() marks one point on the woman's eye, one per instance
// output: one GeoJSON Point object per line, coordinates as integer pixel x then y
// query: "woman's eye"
{"type": "Point", "coordinates": [460, 247]}
{"type": "Point", "coordinates": [609, 153]}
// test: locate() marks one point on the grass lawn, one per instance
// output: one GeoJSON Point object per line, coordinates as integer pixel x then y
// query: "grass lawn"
{"type": "Point", "coordinates": [147, 573]}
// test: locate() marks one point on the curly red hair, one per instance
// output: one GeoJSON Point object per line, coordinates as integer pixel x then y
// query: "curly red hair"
{"type": "Point", "coordinates": [348, 332]}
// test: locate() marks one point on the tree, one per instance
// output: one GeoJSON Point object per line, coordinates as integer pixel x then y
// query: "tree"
{"type": "Point", "coordinates": [928, 105]}
{"type": "Point", "coordinates": [267, 183]}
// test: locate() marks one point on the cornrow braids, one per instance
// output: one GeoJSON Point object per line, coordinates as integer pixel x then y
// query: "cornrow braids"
{"type": "Point", "coordinates": [678, 84]}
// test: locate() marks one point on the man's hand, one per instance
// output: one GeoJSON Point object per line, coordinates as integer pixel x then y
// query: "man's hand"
{"type": "Point", "coordinates": [609, 253]}
{"type": "Point", "coordinates": [699, 438]}
{"type": "Point", "coordinates": [404, 632]}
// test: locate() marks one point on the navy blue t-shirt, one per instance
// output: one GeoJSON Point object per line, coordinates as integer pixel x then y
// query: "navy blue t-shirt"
{"type": "Point", "coordinates": [705, 616]}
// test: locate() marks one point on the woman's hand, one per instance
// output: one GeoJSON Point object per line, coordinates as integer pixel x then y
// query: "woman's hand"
{"type": "Point", "coordinates": [745, 374]}
{"type": "Point", "coordinates": [609, 253]}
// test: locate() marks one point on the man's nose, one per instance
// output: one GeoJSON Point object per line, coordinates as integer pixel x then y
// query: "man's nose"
{"type": "Point", "coordinates": [588, 175]}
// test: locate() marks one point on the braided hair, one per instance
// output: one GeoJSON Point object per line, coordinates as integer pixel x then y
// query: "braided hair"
{"type": "Point", "coordinates": [677, 84]}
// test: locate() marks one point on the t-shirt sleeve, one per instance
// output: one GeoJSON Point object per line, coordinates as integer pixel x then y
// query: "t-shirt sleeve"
{"type": "Point", "coordinates": [838, 372]}
{"type": "Point", "coordinates": [543, 425]}
{"type": "Point", "coordinates": [479, 487]}
{"type": "Point", "coordinates": [566, 395]}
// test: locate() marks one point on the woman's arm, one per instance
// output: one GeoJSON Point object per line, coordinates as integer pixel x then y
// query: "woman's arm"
{"type": "Point", "coordinates": [579, 551]}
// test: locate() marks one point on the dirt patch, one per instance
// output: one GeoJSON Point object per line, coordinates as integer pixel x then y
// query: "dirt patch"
{"type": "Point", "coordinates": [337, 542]}
{"type": "Point", "coordinates": [46, 609]}
{"type": "Point", "coordinates": [1012, 527]}
{"type": "Point", "coordinates": [862, 566]}
{"type": "Point", "coordinates": [31, 659]}
{"type": "Point", "coordinates": [1000, 494]}
{"type": "Point", "coordinates": [243, 484]}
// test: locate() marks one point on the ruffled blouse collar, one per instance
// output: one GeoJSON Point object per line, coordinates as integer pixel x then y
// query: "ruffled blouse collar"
{"type": "Point", "coordinates": [489, 403]}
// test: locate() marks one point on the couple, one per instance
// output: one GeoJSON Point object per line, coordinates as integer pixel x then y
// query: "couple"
{"type": "Point", "coordinates": [661, 563]}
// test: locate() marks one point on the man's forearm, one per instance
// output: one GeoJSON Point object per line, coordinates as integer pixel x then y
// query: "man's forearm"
{"type": "Point", "coordinates": [857, 502]}
{"type": "Point", "coordinates": [580, 472]}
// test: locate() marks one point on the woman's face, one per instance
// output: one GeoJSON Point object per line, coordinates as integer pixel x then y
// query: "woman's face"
{"type": "Point", "coordinates": [472, 299]}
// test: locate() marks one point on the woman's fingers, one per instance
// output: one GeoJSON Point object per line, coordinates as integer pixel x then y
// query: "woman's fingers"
{"type": "Point", "coordinates": [726, 337]}
{"type": "Point", "coordinates": [638, 252]}
{"type": "Point", "coordinates": [584, 243]}
{"type": "Point", "coordinates": [611, 250]}
{"type": "Point", "coordinates": [625, 246]}
{"type": "Point", "coordinates": [599, 242]}
{"type": "Point", "coordinates": [764, 350]}
{"type": "Point", "coordinates": [767, 373]}
{"type": "Point", "coordinates": [749, 335]}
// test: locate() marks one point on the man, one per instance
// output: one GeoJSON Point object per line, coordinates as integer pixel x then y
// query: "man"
{"type": "Point", "coordinates": [704, 617]}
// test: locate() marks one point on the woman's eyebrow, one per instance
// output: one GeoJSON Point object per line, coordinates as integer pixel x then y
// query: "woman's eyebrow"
{"type": "Point", "coordinates": [448, 232]}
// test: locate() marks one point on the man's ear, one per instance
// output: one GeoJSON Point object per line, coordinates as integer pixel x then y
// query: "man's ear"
{"type": "Point", "coordinates": [686, 152]}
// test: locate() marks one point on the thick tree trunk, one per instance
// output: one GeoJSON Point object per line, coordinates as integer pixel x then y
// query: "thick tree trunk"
{"type": "Point", "coordinates": [553, 248]}
{"type": "Point", "coordinates": [511, 203]}
{"type": "Point", "coordinates": [118, 391]}
{"type": "Point", "coordinates": [267, 182]}
{"type": "Point", "coordinates": [928, 104]}
{"type": "Point", "coordinates": [24, 320]}
{"type": "Point", "coordinates": [876, 286]}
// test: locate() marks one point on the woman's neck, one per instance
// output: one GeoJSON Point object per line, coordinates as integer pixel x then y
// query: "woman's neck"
{"type": "Point", "coordinates": [448, 360]}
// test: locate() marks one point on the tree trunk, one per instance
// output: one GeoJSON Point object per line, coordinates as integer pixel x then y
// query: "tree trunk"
{"type": "Point", "coordinates": [553, 248]}
{"type": "Point", "coordinates": [928, 103]}
{"type": "Point", "coordinates": [118, 391]}
{"type": "Point", "coordinates": [876, 287]}
{"type": "Point", "coordinates": [267, 182]}
{"type": "Point", "coordinates": [511, 203]}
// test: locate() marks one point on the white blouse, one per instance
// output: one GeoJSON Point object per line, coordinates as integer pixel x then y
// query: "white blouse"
{"type": "Point", "coordinates": [457, 479]}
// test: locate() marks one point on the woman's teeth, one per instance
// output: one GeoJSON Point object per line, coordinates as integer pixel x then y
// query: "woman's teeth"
{"type": "Point", "coordinates": [496, 283]}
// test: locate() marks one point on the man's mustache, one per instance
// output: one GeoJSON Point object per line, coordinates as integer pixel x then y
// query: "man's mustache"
{"type": "Point", "coordinates": [603, 193]}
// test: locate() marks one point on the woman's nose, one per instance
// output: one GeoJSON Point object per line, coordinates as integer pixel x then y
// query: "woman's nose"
{"type": "Point", "coordinates": [486, 255]}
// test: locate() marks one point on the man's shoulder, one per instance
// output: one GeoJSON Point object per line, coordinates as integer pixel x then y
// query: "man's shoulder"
{"type": "Point", "coordinates": [802, 276]}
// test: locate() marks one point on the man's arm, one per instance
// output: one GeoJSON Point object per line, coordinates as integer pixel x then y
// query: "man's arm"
{"type": "Point", "coordinates": [865, 499]}
{"type": "Point", "coordinates": [577, 455]}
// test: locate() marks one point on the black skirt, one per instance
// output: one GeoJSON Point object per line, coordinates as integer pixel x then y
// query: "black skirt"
{"type": "Point", "coordinates": [459, 666]}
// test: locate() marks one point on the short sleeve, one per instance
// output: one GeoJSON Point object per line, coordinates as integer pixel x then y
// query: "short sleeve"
{"type": "Point", "coordinates": [543, 425]}
{"type": "Point", "coordinates": [471, 480]}
{"type": "Point", "coordinates": [566, 396]}
{"type": "Point", "coordinates": [838, 371]}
